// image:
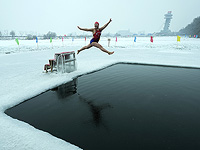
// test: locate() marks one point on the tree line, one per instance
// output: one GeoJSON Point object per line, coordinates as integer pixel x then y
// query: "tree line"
{"type": "Point", "coordinates": [30, 36]}
{"type": "Point", "coordinates": [192, 29]}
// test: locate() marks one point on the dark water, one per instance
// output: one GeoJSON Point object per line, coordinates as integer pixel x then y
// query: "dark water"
{"type": "Point", "coordinates": [123, 107]}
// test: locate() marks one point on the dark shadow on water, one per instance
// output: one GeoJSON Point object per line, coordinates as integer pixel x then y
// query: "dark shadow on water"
{"type": "Point", "coordinates": [96, 111]}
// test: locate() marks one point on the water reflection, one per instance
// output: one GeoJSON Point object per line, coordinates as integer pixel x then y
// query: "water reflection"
{"type": "Point", "coordinates": [70, 88]}
{"type": "Point", "coordinates": [66, 90]}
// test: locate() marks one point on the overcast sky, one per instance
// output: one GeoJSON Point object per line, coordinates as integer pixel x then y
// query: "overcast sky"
{"type": "Point", "coordinates": [63, 16]}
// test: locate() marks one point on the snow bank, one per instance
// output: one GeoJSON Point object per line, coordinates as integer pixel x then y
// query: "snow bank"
{"type": "Point", "coordinates": [22, 76]}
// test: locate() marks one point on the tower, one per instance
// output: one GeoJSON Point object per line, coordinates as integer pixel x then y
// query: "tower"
{"type": "Point", "coordinates": [167, 18]}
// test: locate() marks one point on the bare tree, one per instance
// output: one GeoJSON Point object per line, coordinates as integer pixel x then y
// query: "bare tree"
{"type": "Point", "coordinates": [49, 35]}
{"type": "Point", "coordinates": [12, 33]}
{"type": "Point", "coordinates": [29, 37]}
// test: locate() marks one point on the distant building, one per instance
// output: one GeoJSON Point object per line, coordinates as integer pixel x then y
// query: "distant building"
{"type": "Point", "coordinates": [124, 33]}
{"type": "Point", "coordinates": [166, 30]}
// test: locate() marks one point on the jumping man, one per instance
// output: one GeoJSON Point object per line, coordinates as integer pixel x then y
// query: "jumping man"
{"type": "Point", "coordinates": [96, 36]}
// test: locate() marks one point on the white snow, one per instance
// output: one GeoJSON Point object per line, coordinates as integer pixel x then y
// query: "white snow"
{"type": "Point", "coordinates": [22, 77]}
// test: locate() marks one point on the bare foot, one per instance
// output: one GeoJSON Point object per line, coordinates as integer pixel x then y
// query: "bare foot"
{"type": "Point", "coordinates": [78, 52]}
{"type": "Point", "coordinates": [110, 53]}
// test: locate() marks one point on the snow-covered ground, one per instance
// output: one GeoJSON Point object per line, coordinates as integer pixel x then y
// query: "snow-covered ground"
{"type": "Point", "coordinates": [22, 77]}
